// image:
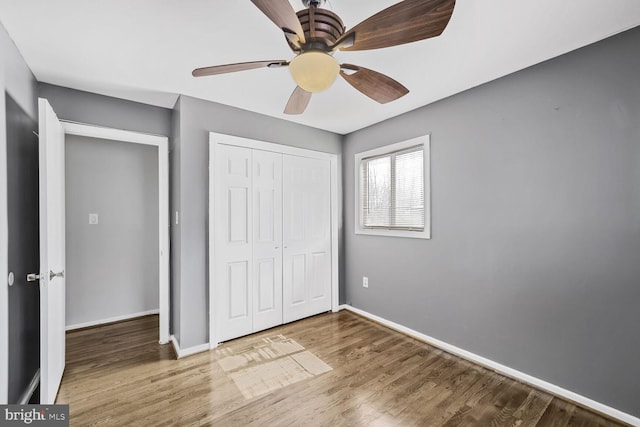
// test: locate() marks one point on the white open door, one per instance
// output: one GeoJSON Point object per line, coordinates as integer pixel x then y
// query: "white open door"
{"type": "Point", "coordinates": [52, 253]}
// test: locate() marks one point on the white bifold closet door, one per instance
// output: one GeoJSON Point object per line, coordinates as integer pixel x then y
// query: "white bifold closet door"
{"type": "Point", "coordinates": [272, 241]}
{"type": "Point", "coordinates": [267, 239]}
{"type": "Point", "coordinates": [233, 246]}
{"type": "Point", "coordinates": [307, 237]}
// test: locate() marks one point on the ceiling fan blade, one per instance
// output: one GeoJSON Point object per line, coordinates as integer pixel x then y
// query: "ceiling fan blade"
{"type": "Point", "coordinates": [404, 22]}
{"type": "Point", "coordinates": [298, 101]}
{"type": "Point", "coordinates": [232, 68]}
{"type": "Point", "coordinates": [375, 85]}
{"type": "Point", "coordinates": [282, 14]}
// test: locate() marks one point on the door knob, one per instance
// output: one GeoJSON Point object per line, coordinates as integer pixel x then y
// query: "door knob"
{"type": "Point", "coordinates": [58, 274]}
{"type": "Point", "coordinates": [33, 277]}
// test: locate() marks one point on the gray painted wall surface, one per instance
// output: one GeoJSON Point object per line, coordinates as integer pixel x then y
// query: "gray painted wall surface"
{"type": "Point", "coordinates": [196, 119]}
{"type": "Point", "coordinates": [17, 80]}
{"type": "Point", "coordinates": [112, 267]}
{"type": "Point", "coordinates": [90, 108]}
{"type": "Point", "coordinates": [534, 260]}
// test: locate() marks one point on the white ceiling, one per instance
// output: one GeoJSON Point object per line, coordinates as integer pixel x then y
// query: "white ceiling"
{"type": "Point", "coordinates": [145, 50]}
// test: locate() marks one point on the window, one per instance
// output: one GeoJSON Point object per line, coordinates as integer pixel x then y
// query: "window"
{"type": "Point", "coordinates": [392, 197]}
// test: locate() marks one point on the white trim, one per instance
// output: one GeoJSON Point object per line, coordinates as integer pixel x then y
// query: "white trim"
{"type": "Point", "coordinates": [336, 198]}
{"type": "Point", "coordinates": [425, 141]}
{"type": "Point", "coordinates": [237, 141]}
{"type": "Point", "coordinates": [162, 142]}
{"type": "Point", "coordinates": [4, 252]}
{"type": "Point", "coordinates": [92, 131]}
{"type": "Point", "coordinates": [336, 185]}
{"type": "Point", "coordinates": [180, 353]}
{"type": "Point", "coordinates": [501, 369]}
{"type": "Point", "coordinates": [163, 235]}
{"type": "Point", "coordinates": [26, 396]}
{"type": "Point", "coordinates": [213, 342]}
{"type": "Point", "coordinates": [110, 320]}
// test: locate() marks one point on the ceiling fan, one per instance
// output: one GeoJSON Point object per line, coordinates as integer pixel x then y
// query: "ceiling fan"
{"type": "Point", "coordinates": [314, 34]}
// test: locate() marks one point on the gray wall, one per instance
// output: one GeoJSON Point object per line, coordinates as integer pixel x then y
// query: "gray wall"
{"type": "Point", "coordinates": [534, 260]}
{"type": "Point", "coordinates": [196, 118]}
{"type": "Point", "coordinates": [112, 267]}
{"type": "Point", "coordinates": [16, 77]}
{"type": "Point", "coordinates": [90, 108]}
{"type": "Point", "coordinates": [17, 80]}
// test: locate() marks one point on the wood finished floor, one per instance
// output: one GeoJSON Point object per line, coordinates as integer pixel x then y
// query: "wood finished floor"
{"type": "Point", "coordinates": [118, 375]}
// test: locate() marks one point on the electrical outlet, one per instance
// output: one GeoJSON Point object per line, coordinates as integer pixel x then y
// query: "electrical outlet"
{"type": "Point", "coordinates": [365, 282]}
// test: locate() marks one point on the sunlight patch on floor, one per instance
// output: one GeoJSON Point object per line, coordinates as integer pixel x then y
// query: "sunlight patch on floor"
{"type": "Point", "coordinates": [269, 365]}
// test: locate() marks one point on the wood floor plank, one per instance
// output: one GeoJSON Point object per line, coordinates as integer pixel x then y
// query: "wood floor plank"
{"type": "Point", "coordinates": [118, 375]}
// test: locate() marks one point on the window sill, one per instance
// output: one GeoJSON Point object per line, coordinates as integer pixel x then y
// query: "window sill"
{"type": "Point", "coordinates": [394, 233]}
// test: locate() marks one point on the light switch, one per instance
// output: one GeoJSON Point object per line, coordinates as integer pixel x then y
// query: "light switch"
{"type": "Point", "coordinates": [93, 218]}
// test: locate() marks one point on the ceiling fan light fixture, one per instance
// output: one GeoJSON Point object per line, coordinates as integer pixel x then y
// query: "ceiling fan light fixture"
{"type": "Point", "coordinates": [314, 71]}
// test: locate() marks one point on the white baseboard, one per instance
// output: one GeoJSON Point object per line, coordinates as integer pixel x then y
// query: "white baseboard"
{"type": "Point", "coordinates": [184, 352]}
{"type": "Point", "coordinates": [111, 320]}
{"type": "Point", "coordinates": [502, 369]}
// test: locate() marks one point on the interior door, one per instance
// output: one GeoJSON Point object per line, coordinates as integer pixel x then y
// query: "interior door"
{"type": "Point", "coordinates": [23, 254]}
{"type": "Point", "coordinates": [233, 245]}
{"type": "Point", "coordinates": [306, 237]}
{"type": "Point", "coordinates": [267, 239]}
{"type": "Point", "coordinates": [52, 253]}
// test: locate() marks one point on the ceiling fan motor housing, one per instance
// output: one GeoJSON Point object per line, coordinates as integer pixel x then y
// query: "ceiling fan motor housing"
{"type": "Point", "coordinates": [322, 28]}
{"type": "Point", "coordinates": [315, 3]}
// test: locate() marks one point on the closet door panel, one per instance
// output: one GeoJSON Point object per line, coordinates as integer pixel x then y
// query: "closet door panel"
{"type": "Point", "coordinates": [320, 276]}
{"type": "Point", "coordinates": [238, 289]}
{"type": "Point", "coordinates": [306, 237]}
{"type": "Point", "coordinates": [266, 285]}
{"type": "Point", "coordinates": [298, 279]}
{"type": "Point", "coordinates": [233, 246]}
{"type": "Point", "coordinates": [267, 241]}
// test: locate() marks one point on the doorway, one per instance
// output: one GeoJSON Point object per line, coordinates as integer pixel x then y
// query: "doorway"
{"type": "Point", "coordinates": [75, 132]}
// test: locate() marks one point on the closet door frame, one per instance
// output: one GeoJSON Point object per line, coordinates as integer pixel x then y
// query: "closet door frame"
{"type": "Point", "coordinates": [216, 139]}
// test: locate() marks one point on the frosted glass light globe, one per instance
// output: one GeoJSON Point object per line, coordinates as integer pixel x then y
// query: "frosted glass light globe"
{"type": "Point", "coordinates": [314, 71]}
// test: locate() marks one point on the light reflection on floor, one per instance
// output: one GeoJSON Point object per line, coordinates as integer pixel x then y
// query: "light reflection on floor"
{"type": "Point", "coordinates": [269, 365]}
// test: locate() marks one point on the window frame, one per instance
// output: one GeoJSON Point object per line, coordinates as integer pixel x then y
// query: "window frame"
{"type": "Point", "coordinates": [386, 150]}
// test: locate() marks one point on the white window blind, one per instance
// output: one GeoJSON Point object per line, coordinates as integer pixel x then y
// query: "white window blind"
{"type": "Point", "coordinates": [392, 190]}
